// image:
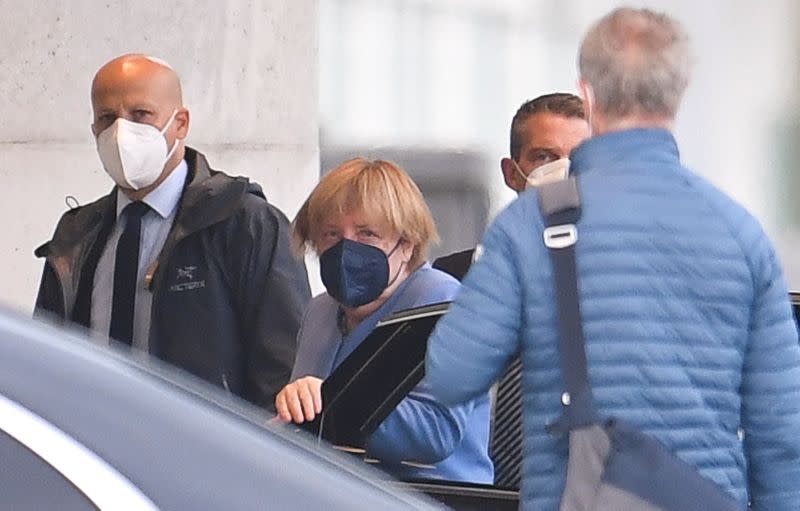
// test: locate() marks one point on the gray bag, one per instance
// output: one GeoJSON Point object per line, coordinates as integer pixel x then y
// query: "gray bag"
{"type": "Point", "coordinates": [612, 466]}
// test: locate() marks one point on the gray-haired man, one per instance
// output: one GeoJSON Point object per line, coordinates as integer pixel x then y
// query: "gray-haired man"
{"type": "Point", "coordinates": [689, 331]}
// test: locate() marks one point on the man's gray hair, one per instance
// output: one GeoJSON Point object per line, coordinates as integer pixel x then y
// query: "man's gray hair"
{"type": "Point", "coordinates": [637, 62]}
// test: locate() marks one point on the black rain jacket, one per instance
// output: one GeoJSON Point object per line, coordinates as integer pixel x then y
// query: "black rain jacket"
{"type": "Point", "coordinates": [228, 294]}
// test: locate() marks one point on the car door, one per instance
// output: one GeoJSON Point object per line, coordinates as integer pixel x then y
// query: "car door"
{"type": "Point", "coordinates": [44, 468]}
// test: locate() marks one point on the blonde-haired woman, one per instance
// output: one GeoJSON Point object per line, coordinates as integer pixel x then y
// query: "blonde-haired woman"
{"type": "Point", "coordinates": [371, 228]}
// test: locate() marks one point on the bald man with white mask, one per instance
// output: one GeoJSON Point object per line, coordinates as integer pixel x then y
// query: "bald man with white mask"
{"type": "Point", "coordinates": [137, 98]}
{"type": "Point", "coordinates": [178, 260]}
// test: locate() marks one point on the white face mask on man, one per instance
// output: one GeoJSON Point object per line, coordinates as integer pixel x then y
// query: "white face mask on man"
{"type": "Point", "coordinates": [134, 154]}
{"type": "Point", "coordinates": [557, 170]}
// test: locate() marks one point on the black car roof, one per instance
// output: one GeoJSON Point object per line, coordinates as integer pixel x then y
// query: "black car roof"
{"type": "Point", "coordinates": [182, 442]}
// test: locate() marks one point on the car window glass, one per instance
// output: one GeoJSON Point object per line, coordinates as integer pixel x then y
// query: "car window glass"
{"type": "Point", "coordinates": [29, 482]}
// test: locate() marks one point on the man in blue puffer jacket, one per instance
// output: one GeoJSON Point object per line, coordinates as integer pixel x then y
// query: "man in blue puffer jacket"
{"type": "Point", "coordinates": [689, 330]}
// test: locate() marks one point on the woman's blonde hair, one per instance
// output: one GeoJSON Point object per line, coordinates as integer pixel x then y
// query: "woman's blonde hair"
{"type": "Point", "coordinates": [382, 191]}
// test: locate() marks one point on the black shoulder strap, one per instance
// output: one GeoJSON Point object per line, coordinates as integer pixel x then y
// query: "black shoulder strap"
{"type": "Point", "coordinates": [560, 205]}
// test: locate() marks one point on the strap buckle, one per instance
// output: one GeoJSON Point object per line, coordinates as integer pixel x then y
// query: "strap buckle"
{"type": "Point", "coordinates": [560, 236]}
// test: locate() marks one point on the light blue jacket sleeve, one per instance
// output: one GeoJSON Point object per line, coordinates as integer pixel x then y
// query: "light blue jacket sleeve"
{"type": "Point", "coordinates": [473, 344]}
{"type": "Point", "coordinates": [420, 429]}
{"type": "Point", "coordinates": [771, 391]}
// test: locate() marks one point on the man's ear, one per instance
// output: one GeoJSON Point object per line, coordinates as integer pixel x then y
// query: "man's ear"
{"type": "Point", "coordinates": [510, 174]}
{"type": "Point", "coordinates": [182, 119]}
{"type": "Point", "coordinates": [587, 97]}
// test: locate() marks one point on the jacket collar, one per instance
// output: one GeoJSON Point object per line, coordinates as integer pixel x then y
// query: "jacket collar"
{"type": "Point", "coordinates": [209, 197]}
{"type": "Point", "coordinates": [79, 224]}
{"type": "Point", "coordinates": [654, 145]}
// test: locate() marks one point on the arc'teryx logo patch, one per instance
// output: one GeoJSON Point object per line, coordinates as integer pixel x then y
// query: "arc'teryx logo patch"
{"type": "Point", "coordinates": [187, 272]}
{"type": "Point", "coordinates": [185, 279]}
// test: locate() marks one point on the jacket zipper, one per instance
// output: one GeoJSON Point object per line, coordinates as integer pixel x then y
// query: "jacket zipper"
{"type": "Point", "coordinates": [62, 280]}
{"type": "Point", "coordinates": [148, 276]}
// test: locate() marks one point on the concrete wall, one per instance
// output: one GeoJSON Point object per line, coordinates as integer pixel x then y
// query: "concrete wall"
{"type": "Point", "coordinates": [249, 71]}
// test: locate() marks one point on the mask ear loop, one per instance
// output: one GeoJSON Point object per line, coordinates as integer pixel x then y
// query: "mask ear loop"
{"type": "Point", "coordinates": [395, 248]}
{"type": "Point", "coordinates": [518, 169]}
{"type": "Point", "coordinates": [164, 130]}
{"type": "Point", "coordinates": [396, 275]}
{"type": "Point", "coordinates": [522, 174]}
{"type": "Point", "coordinates": [169, 122]}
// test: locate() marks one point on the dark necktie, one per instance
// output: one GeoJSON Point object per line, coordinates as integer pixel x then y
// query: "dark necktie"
{"type": "Point", "coordinates": [126, 268]}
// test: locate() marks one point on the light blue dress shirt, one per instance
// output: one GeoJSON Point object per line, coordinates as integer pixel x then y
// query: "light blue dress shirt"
{"type": "Point", "coordinates": [156, 224]}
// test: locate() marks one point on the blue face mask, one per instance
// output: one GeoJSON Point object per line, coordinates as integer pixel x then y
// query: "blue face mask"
{"type": "Point", "coordinates": [355, 273]}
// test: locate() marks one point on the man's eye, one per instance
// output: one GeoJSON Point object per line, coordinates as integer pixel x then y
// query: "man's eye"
{"type": "Point", "coordinates": [544, 157]}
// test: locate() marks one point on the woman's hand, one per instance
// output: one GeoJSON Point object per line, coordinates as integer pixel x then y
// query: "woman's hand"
{"type": "Point", "coordinates": [300, 400]}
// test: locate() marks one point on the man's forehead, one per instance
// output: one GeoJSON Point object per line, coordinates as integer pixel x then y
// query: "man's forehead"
{"type": "Point", "coordinates": [131, 91]}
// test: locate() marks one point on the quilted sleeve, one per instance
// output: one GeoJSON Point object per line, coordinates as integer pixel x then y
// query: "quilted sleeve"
{"type": "Point", "coordinates": [771, 390]}
{"type": "Point", "coordinates": [474, 342]}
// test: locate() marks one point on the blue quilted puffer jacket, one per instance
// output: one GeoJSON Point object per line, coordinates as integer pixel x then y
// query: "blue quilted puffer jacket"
{"type": "Point", "coordinates": [689, 330]}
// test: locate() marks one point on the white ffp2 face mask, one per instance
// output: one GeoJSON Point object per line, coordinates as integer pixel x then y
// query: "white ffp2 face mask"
{"type": "Point", "coordinates": [134, 154]}
{"type": "Point", "coordinates": [557, 170]}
